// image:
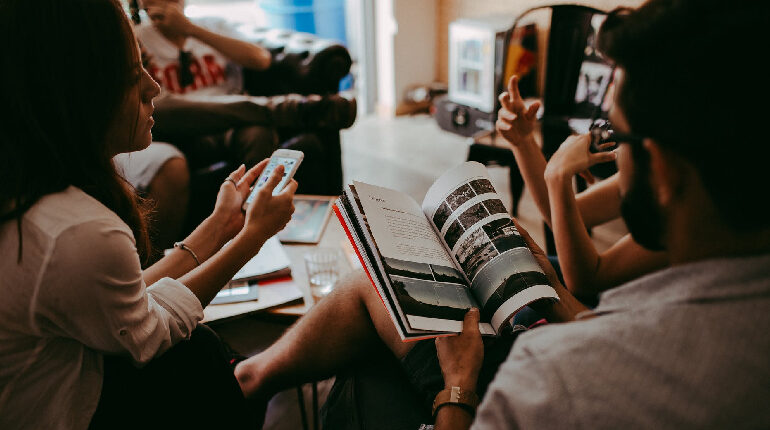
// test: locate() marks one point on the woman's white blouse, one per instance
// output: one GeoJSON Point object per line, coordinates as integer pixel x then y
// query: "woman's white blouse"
{"type": "Point", "coordinates": [77, 293]}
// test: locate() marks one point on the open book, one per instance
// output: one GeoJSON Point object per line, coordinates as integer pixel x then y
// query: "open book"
{"type": "Point", "coordinates": [431, 263]}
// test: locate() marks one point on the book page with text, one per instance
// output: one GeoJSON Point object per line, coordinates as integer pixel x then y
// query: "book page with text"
{"type": "Point", "coordinates": [430, 289]}
{"type": "Point", "coordinates": [399, 227]}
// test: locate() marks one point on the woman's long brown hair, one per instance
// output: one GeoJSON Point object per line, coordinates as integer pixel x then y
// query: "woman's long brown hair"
{"type": "Point", "coordinates": [66, 70]}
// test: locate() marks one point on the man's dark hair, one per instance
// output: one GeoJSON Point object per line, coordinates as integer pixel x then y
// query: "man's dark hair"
{"type": "Point", "coordinates": [694, 82]}
{"type": "Point", "coordinates": [67, 68]}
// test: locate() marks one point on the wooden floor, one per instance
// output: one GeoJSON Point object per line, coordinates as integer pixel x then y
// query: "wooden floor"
{"type": "Point", "coordinates": [403, 153]}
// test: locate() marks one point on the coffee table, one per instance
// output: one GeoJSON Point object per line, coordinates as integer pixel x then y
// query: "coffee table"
{"type": "Point", "coordinates": [333, 237]}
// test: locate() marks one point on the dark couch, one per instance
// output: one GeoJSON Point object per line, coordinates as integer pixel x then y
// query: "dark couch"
{"type": "Point", "coordinates": [301, 65]}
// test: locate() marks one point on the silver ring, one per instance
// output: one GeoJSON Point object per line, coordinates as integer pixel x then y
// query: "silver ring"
{"type": "Point", "coordinates": [229, 179]}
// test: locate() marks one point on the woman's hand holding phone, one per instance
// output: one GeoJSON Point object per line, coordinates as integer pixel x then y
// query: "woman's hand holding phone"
{"type": "Point", "coordinates": [269, 213]}
{"type": "Point", "coordinates": [228, 216]}
{"type": "Point", "coordinates": [265, 216]}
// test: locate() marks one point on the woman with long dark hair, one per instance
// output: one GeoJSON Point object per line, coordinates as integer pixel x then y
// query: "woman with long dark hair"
{"type": "Point", "coordinates": [86, 337]}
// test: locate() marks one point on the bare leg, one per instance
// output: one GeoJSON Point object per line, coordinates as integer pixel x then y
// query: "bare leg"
{"type": "Point", "coordinates": [169, 191]}
{"type": "Point", "coordinates": [338, 331]}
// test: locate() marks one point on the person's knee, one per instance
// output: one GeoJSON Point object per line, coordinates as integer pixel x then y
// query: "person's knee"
{"type": "Point", "coordinates": [358, 287]}
{"type": "Point", "coordinates": [367, 297]}
{"type": "Point", "coordinates": [173, 176]}
{"type": "Point", "coordinates": [355, 283]}
{"type": "Point", "coordinates": [253, 143]}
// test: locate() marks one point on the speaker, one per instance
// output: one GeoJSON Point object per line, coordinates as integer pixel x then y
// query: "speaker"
{"type": "Point", "coordinates": [461, 119]}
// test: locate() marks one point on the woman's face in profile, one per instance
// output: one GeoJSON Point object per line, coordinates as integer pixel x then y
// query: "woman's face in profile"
{"type": "Point", "coordinates": [132, 128]}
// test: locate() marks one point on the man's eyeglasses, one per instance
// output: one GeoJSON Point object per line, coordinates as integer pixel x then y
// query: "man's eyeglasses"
{"type": "Point", "coordinates": [601, 132]}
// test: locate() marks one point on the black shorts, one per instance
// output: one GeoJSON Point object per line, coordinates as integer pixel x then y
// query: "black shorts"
{"type": "Point", "coordinates": [383, 393]}
{"type": "Point", "coordinates": [423, 370]}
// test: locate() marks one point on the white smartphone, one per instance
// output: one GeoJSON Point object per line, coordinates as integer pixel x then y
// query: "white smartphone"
{"type": "Point", "coordinates": [289, 158]}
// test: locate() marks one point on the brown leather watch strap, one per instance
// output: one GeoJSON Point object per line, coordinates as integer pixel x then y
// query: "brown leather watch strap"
{"type": "Point", "coordinates": [456, 396]}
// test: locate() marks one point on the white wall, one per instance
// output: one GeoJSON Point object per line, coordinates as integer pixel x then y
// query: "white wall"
{"type": "Point", "coordinates": [359, 19]}
{"type": "Point", "coordinates": [408, 28]}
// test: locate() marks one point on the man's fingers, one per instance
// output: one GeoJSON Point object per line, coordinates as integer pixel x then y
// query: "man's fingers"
{"type": "Point", "coordinates": [604, 157]}
{"type": "Point", "coordinates": [588, 176]}
{"type": "Point", "coordinates": [516, 95]}
{"type": "Point", "coordinates": [471, 321]}
{"type": "Point", "coordinates": [532, 111]}
{"type": "Point", "coordinates": [506, 115]}
{"type": "Point", "coordinates": [578, 141]}
{"type": "Point", "coordinates": [571, 138]}
{"type": "Point", "coordinates": [531, 244]}
{"type": "Point", "coordinates": [605, 145]}
{"type": "Point", "coordinates": [502, 125]}
{"type": "Point", "coordinates": [513, 87]}
{"type": "Point", "coordinates": [505, 100]}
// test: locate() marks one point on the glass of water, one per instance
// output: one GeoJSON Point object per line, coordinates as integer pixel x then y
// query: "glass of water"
{"type": "Point", "coordinates": [322, 270]}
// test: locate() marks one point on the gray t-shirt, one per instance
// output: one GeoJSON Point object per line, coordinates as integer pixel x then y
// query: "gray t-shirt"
{"type": "Point", "coordinates": [686, 347]}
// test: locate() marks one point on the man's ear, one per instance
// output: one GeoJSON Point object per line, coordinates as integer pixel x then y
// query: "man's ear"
{"type": "Point", "coordinates": [667, 173]}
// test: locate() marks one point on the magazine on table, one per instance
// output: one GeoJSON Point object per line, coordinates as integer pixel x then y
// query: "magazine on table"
{"type": "Point", "coordinates": [270, 263]}
{"type": "Point", "coordinates": [430, 263]}
{"type": "Point", "coordinates": [311, 214]}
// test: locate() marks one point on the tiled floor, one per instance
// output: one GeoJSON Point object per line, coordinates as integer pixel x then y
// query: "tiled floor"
{"type": "Point", "coordinates": [403, 153]}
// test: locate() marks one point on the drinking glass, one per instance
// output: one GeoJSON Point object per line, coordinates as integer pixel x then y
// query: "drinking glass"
{"type": "Point", "coordinates": [322, 270]}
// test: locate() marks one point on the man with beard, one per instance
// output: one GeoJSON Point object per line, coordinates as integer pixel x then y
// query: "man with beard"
{"type": "Point", "coordinates": [684, 347]}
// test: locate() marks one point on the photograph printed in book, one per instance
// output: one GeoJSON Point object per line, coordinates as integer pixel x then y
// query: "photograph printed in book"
{"type": "Point", "coordinates": [428, 291]}
{"type": "Point", "coordinates": [488, 243]}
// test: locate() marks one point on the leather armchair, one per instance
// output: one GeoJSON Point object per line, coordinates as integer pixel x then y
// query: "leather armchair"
{"type": "Point", "coordinates": [302, 63]}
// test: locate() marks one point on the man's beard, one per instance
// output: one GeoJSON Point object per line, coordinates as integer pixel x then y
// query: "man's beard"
{"type": "Point", "coordinates": [640, 211]}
